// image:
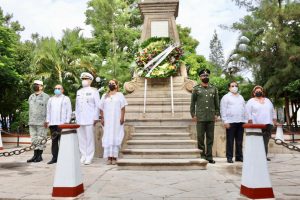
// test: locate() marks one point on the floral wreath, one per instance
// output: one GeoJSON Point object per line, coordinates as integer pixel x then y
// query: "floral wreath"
{"type": "Point", "coordinates": [150, 49]}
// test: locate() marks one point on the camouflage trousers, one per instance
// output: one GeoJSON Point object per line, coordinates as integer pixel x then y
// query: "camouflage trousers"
{"type": "Point", "coordinates": [37, 134]}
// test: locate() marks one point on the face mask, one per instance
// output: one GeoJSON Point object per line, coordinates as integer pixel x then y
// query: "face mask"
{"type": "Point", "coordinates": [111, 87]}
{"type": "Point", "coordinates": [234, 89]}
{"type": "Point", "coordinates": [258, 94]}
{"type": "Point", "coordinates": [85, 83]}
{"type": "Point", "coordinates": [57, 92]}
{"type": "Point", "coordinates": [36, 88]}
{"type": "Point", "coordinates": [205, 80]}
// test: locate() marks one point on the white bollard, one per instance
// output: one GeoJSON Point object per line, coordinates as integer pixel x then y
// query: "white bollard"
{"type": "Point", "coordinates": [279, 133]}
{"type": "Point", "coordinates": [1, 144]}
{"type": "Point", "coordinates": [68, 178]}
{"type": "Point", "coordinates": [255, 182]}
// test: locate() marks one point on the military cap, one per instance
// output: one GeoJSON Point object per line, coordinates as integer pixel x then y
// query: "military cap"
{"type": "Point", "coordinates": [38, 82]}
{"type": "Point", "coordinates": [204, 72]}
{"type": "Point", "coordinates": [86, 75]}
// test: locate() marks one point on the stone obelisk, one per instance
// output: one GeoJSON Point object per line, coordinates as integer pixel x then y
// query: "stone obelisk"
{"type": "Point", "coordinates": [159, 132]}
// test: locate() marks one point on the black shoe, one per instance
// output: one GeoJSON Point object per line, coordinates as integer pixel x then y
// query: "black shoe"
{"type": "Point", "coordinates": [211, 161]}
{"type": "Point", "coordinates": [39, 156]}
{"type": "Point", "coordinates": [35, 153]}
{"type": "Point", "coordinates": [239, 160]}
{"type": "Point", "coordinates": [229, 160]}
{"type": "Point", "coordinates": [51, 161]}
{"type": "Point", "coordinates": [268, 159]}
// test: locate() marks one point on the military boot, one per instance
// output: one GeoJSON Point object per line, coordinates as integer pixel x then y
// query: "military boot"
{"type": "Point", "coordinates": [35, 153]}
{"type": "Point", "coordinates": [39, 156]}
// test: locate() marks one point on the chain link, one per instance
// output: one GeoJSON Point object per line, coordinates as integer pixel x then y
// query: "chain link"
{"type": "Point", "coordinates": [28, 148]}
{"type": "Point", "coordinates": [288, 146]}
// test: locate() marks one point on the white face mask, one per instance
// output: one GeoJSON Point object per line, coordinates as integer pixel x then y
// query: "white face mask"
{"type": "Point", "coordinates": [234, 89]}
{"type": "Point", "coordinates": [85, 83]}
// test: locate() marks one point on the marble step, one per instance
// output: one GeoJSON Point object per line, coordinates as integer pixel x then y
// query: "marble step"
{"type": "Point", "coordinates": [162, 164]}
{"type": "Point", "coordinates": [160, 153]}
{"type": "Point", "coordinates": [161, 136]}
{"type": "Point", "coordinates": [161, 144]}
{"type": "Point", "coordinates": [159, 129]}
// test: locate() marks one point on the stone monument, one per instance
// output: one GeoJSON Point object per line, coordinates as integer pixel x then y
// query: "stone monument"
{"type": "Point", "coordinates": [160, 134]}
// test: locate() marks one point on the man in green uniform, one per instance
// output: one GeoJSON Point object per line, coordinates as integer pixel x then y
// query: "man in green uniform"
{"type": "Point", "coordinates": [37, 119]}
{"type": "Point", "coordinates": [205, 110]}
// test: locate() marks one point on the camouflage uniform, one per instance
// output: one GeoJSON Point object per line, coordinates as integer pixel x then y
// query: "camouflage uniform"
{"type": "Point", "coordinates": [205, 106]}
{"type": "Point", "coordinates": [37, 118]}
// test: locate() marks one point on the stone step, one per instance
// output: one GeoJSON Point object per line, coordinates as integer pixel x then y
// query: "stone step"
{"type": "Point", "coordinates": [139, 115]}
{"type": "Point", "coordinates": [158, 108]}
{"type": "Point", "coordinates": [160, 122]}
{"type": "Point", "coordinates": [161, 153]}
{"type": "Point", "coordinates": [161, 129]}
{"type": "Point", "coordinates": [162, 164]}
{"type": "Point", "coordinates": [161, 144]}
{"type": "Point", "coordinates": [158, 101]}
{"type": "Point", "coordinates": [161, 136]}
{"type": "Point", "coordinates": [159, 94]}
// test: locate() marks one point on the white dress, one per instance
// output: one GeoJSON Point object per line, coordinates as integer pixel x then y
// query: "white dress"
{"type": "Point", "coordinates": [113, 131]}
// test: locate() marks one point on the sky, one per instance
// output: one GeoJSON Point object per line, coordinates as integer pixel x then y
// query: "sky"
{"type": "Point", "coordinates": [50, 17]}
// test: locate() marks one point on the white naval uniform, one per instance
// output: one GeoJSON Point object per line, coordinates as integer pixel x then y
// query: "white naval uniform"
{"type": "Point", "coordinates": [87, 111]}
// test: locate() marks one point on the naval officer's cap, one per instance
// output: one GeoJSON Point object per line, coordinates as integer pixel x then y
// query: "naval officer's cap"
{"type": "Point", "coordinates": [85, 75]}
{"type": "Point", "coordinates": [204, 72]}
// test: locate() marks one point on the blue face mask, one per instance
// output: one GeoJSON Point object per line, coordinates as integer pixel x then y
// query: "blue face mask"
{"type": "Point", "coordinates": [57, 92]}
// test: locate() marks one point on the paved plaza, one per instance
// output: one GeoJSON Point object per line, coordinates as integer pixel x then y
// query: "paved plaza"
{"type": "Point", "coordinates": [20, 180]}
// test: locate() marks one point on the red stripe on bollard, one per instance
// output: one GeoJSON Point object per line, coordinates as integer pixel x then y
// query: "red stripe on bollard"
{"type": "Point", "coordinates": [254, 125]}
{"type": "Point", "coordinates": [257, 193]}
{"type": "Point", "coordinates": [67, 191]}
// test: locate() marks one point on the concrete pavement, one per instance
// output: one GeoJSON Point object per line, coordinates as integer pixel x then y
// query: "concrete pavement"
{"type": "Point", "coordinates": [20, 180]}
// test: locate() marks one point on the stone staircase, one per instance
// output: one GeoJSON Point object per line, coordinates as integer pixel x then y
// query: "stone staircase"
{"type": "Point", "coordinates": [159, 139]}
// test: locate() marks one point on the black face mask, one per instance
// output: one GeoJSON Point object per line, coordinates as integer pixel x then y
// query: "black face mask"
{"type": "Point", "coordinates": [111, 87]}
{"type": "Point", "coordinates": [205, 80]}
{"type": "Point", "coordinates": [36, 88]}
{"type": "Point", "coordinates": [258, 94]}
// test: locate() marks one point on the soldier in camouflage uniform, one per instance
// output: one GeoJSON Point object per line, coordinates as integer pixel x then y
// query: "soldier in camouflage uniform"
{"type": "Point", "coordinates": [205, 110]}
{"type": "Point", "coordinates": [37, 119]}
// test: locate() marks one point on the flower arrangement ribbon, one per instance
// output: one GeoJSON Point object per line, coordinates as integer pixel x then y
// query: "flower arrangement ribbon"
{"type": "Point", "coordinates": [159, 58]}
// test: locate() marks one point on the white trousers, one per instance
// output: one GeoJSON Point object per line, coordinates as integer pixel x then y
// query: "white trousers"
{"type": "Point", "coordinates": [86, 142]}
{"type": "Point", "coordinates": [112, 151]}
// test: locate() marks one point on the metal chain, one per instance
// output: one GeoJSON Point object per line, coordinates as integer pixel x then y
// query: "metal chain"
{"type": "Point", "coordinates": [288, 146]}
{"type": "Point", "coordinates": [29, 148]}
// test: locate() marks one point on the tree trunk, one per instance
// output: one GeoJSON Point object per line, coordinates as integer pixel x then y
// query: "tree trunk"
{"type": "Point", "coordinates": [287, 109]}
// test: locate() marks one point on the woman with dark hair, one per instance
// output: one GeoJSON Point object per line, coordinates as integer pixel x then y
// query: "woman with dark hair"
{"type": "Point", "coordinates": [112, 109]}
{"type": "Point", "coordinates": [260, 110]}
{"type": "Point", "coordinates": [233, 117]}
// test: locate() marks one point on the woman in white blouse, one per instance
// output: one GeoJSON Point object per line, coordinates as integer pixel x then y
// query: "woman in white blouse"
{"type": "Point", "coordinates": [112, 109]}
{"type": "Point", "coordinates": [260, 110]}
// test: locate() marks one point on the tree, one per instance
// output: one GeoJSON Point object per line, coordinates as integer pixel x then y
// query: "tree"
{"type": "Point", "coordinates": [9, 77]}
{"type": "Point", "coordinates": [274, 46]}
{"type": "Point", "coordinates": [116, 31]}
{"type": "Point", "coordinates": [216, 56]}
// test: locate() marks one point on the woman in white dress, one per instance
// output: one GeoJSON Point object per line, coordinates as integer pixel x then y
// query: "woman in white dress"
{"type": "Point", "coordinates": [260, 110]}
{"type": "Point", "coordinates": [112, 109]}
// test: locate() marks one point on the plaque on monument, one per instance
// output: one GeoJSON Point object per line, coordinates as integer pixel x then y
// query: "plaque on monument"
{"type": "Point", "coordinates": [159, 29]}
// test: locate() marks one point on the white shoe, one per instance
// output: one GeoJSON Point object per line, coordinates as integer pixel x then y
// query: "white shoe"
{"type": "Point", "coordinates": [87, 162]}
{"type": "Point", "coordinates": [82, 160]}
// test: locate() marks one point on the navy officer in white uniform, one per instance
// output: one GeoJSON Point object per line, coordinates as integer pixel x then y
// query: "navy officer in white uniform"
{"type": "Point", "coordinates": [87, 114]}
